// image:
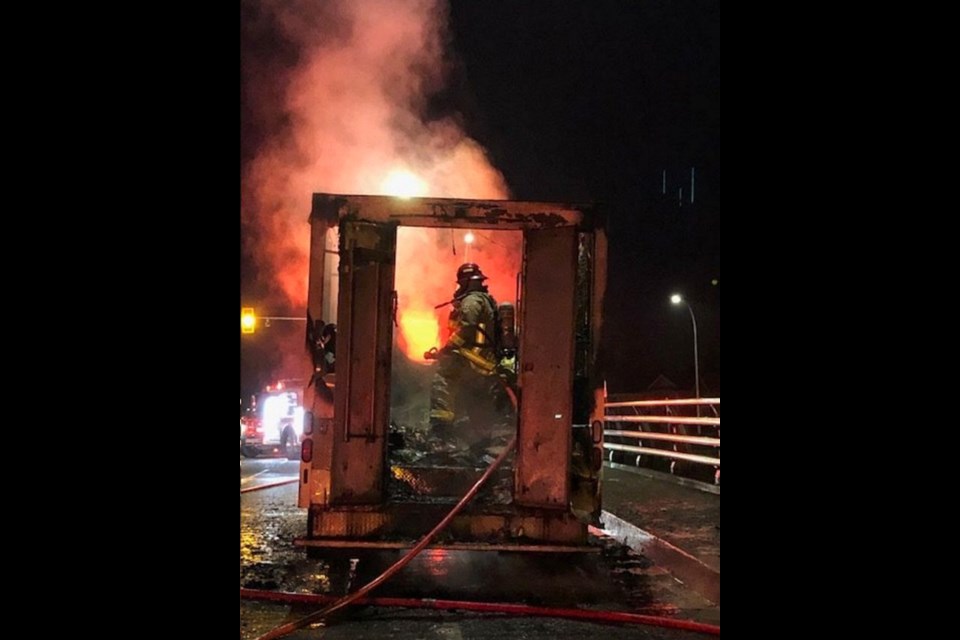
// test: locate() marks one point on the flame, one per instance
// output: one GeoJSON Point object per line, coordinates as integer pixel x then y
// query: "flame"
{"type": "Point", "coordinates": [419, 331]}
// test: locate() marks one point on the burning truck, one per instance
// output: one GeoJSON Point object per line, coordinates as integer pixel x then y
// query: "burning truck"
{"type": "Point", "coordinates": [371, 471]}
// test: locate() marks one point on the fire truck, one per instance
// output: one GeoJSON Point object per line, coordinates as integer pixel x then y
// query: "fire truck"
{"type": "Point", "coordinates": [274, 423]}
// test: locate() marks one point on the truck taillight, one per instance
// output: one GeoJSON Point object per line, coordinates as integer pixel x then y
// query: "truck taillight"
{"type": "Point", "coordinates": [252, 429]}
{"type": "Point", "coordinates": [306, 450]}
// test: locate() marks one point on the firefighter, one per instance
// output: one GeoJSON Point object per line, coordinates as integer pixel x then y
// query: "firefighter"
{"type": "Point", "coordinates": [465, 382]}
{"type": "Point", "coordinates": [321, 343]}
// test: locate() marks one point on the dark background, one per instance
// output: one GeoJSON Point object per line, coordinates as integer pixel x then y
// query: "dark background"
{"type": "Point", "coordinates": [584, 102]}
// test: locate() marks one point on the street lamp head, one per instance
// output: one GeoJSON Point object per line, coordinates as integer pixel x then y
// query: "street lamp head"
{"type": "Point", "coordinates": [677, 299]}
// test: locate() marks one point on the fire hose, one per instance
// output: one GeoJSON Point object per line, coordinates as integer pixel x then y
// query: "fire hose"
{"type": "Point", "coordinates": [269, 485]}
{"type": "Point", "coordinates": [290, 627]}
{"type": "Point", "coordinates": [588, 615]}
{"type": "Point", "coordinates": [598, 616]}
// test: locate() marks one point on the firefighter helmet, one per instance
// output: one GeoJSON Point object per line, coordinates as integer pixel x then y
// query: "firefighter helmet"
{"type": "Point", "coordinates": [469, 271]}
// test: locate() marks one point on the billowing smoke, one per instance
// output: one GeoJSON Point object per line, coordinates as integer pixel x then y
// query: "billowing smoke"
{"type": "Point", "coordinates": [340, 103]}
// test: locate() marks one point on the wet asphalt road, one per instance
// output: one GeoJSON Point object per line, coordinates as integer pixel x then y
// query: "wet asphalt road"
{"type": "Point", "coordinates": [614, 579]}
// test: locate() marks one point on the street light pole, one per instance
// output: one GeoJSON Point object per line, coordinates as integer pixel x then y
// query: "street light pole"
{"type": "Point", "coordinates": [677, 299]}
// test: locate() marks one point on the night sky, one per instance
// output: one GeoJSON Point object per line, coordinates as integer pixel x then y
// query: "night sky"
{"type": "Point", "coordinates": [577, 102]}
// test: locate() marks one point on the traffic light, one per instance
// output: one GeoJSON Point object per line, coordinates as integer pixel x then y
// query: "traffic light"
{"type": "Point", "coordinates": [248, 320]}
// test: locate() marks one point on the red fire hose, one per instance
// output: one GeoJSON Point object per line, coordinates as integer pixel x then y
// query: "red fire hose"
{"type": "Point", "coordinates": [597, 616]}
{"type": "Point", "coordinates": [492, 607]}
{"type": "Point", "coordinates": [268, 485]}
{"type": "Point", "coordinates": [290, 627]}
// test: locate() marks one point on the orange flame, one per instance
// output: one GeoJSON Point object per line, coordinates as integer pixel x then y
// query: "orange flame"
{"type": "Point", "coordinates": [419, 331]}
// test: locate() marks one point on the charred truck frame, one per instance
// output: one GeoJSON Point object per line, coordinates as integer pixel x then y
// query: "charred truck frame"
{"type": "Point", "coordinates": [344, 468]}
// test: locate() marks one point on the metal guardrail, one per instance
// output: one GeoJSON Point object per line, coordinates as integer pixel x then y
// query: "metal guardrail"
{"type": "Point", "coordinates": [682, 432]}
